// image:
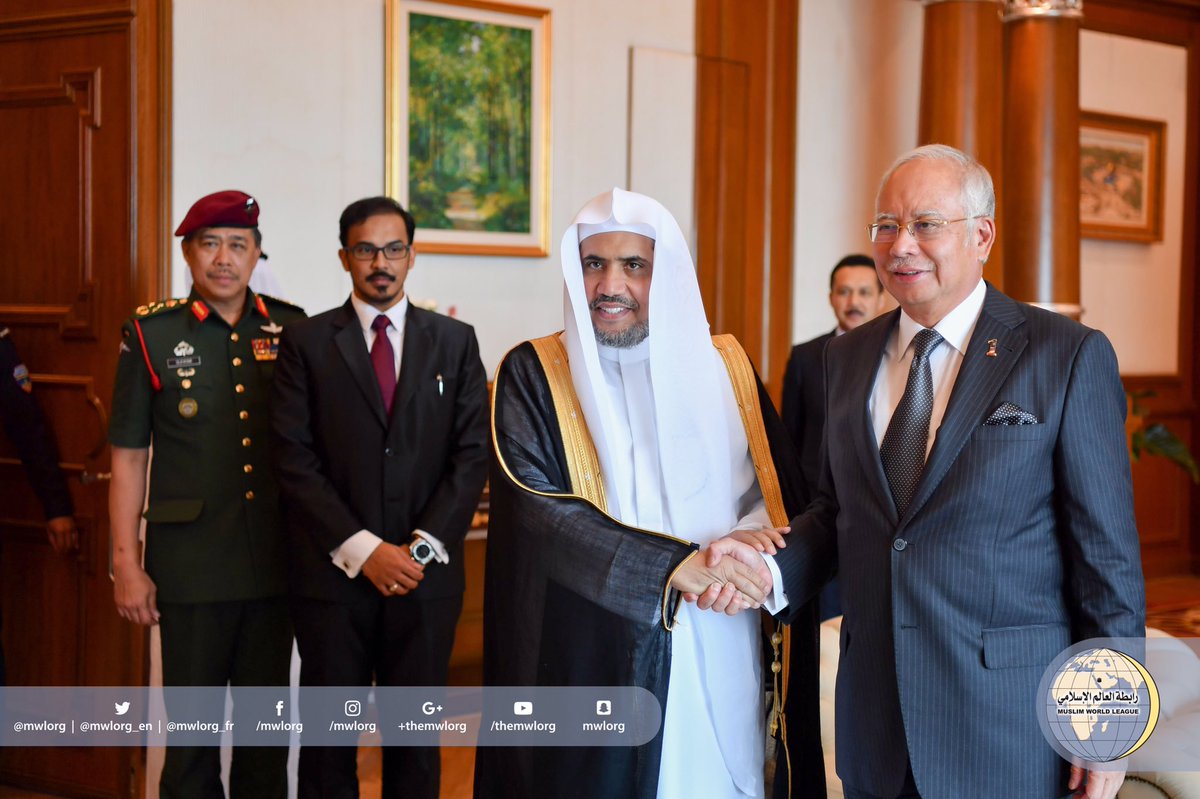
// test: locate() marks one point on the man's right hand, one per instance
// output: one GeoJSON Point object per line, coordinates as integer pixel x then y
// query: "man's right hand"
{"type": "Point", "coordinates": [392, 570]}
{"type": "Point", "coordinates": [135, 593]}
{"type": "Point", "coordinates": [724, 563]}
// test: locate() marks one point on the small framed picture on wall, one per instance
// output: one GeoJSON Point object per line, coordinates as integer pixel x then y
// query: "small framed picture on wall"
{"type": "Point", "coordinates": [1121, 177]}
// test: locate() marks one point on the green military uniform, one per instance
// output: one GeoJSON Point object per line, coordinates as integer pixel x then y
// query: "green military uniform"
{"type": "Point", "coordinates": [197, 389]}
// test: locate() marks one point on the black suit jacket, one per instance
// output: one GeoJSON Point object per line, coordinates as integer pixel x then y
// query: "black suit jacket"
{"type": "Point", "coordinates": [345, 466]}
{"type": "Point", "coordinates": [804, 404]}
{"type": "Point", "coordinates": [1019, 541]}
{"type": "Point", "coordinates": [30, 433]}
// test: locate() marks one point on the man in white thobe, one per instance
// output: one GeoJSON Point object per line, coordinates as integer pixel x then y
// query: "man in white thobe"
{"type": "Point", "coordinates": [622, 452]}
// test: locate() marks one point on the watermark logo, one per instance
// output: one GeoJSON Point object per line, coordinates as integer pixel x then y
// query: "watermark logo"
{"type": "Point", "coordinates": [1099, 705]}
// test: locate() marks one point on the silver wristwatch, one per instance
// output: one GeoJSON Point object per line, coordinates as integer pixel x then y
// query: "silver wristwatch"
{"type": "Point", "coordinates": [421, 551]}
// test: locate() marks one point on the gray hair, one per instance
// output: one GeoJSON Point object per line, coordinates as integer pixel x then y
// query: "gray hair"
{"type": "Point", "coordinates": [978, 195]}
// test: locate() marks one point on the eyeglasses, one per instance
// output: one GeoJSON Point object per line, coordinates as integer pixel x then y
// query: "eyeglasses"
{"type": "Point", "coordinates": [923, 228]}
{"type": "Point", "coordinates": [393, 251]}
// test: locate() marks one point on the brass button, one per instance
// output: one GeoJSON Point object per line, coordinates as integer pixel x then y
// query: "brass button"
{"type": "Point", "coordinates": [245, 442]}
{"type": "Point", "coordinates": [247, 468]}
{"type": "Point", "coordinates": [237, 361]}
{"type": "Point", "coordinates": [233, 336]}
{"type": "Point", "coordinates": [186, 383]}
{"type": "Point", "coordinates": [239, 388]}
{"type": "Point", "coordinates": [243, 415]}
{"type": "Point", "coordinates": [249, 495]}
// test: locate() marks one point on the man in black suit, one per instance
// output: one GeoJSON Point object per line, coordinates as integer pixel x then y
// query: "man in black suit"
{"type": "Point", "coordinates": [856, 296]}
{"type": "Point", "coordinates": [978, 512]}
{"type": "Point", "coordinates": [380, 430]}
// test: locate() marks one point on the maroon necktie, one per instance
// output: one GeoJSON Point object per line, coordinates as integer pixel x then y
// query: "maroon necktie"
{"type": "Point", "coordinates": [383, 358]}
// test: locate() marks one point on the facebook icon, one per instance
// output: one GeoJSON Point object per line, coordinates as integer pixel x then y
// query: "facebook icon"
{"type": "Point", "coordinates": [279, 708]}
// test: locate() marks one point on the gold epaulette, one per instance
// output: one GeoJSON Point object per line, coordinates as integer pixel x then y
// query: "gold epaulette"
{"type": "Point", "coordinates": [161, 306]}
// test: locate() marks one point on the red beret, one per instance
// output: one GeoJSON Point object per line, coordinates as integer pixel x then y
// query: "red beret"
{"type": "Point", "coordinates": [223, 209]}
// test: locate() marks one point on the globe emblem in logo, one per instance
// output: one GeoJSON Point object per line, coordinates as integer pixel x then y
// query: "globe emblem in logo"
{"type": "Point", "coordinates": [1101, 705]}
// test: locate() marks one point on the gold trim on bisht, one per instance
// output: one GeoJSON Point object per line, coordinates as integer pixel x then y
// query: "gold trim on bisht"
{"type": "Point", "coordinates": [583, 463]}
{"type": "Point", "coordinates": [745, 391]}
{"type": "Point", "coordinates": [573, 398]}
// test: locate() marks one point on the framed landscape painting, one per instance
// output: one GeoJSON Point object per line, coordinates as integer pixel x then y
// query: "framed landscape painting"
{"type": "Point", "coordinates": [468, 124]}
{"type": "Point", "coordinates": [1120, 177]}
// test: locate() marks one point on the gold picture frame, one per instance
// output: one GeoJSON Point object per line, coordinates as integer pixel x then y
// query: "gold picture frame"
{"type": "Point", "coordinates": [1120, 177]}
{"type": "Point", "coordinates": [468, 124]}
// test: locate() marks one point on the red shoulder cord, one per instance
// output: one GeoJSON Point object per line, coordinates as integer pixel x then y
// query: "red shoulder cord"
{"type": "Point", "coordinates": [154, 381]}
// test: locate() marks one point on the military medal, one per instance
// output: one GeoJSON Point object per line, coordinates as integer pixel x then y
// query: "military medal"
{"type": "Point", "coordinates": [265, 349]}
{"type": "Point", "coordinates": [188, 407]}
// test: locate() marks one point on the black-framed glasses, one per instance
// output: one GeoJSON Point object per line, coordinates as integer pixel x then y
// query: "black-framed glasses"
{"type": "Point", "coordinates": [393, 251]}
{"type": "Point", "coordinates": [923, 228]}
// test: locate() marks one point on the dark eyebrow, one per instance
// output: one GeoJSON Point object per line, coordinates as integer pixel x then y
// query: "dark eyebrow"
{"type": "Point", "coordinates": [379, 246]}
{"type": "Point", "coordinates": [230, 237]}
{"type": "Point", "coordinates": [622, 258]}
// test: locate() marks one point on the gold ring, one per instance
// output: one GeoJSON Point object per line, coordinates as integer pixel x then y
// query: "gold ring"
{"type": "Point", "coordinates": [392, 588]}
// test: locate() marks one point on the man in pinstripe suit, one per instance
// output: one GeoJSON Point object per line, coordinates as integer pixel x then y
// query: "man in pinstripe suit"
{"type": "Point", "coordinates": [978, 512]}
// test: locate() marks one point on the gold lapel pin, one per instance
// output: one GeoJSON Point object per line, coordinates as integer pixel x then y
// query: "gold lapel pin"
{"type": "Point", "coordinates": [991, 353]}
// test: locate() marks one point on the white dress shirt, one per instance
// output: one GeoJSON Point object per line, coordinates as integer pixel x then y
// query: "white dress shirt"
{"type": "Point", "coordinates": [355, 550]}
{"type": "Point", "coordinates": [956, 328]}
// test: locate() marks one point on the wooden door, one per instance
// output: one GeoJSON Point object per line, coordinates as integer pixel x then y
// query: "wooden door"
{"type": "Point", "coordinates": [82, 153]}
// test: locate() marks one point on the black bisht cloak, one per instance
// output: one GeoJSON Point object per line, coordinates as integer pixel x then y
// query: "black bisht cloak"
{"type": "Point", "coordinates": [574, 597]}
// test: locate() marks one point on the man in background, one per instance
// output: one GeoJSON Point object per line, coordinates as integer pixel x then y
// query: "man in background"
{"type": "Point", "coordinates": [30, 433]}
{"type": "Point", "coordinates": [192, 379]}
{"type": "Point", "coordinates": [379, 418]}
{"type": "Point", "coordinates": [856, 296]}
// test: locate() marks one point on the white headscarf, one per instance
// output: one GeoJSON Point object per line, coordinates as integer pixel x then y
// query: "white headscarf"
{"type": "Point", "coordinates": [701, 442]}
{"type": "Point", "coordinates": [688, 377]}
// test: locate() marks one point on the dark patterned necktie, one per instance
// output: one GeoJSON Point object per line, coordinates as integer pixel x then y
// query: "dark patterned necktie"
{"type": "Point", "coordinates": [904, 443]}
{"type": "Point", "coordinates": [383, 358]}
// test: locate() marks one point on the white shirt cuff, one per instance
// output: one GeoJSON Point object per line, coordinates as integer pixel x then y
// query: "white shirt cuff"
{"type": "Point", "coordinates": [439, 549]}
{"type": "Point", "coordinates": [354, 551]}
{"type": "Point", "coordinates": [777, 600]}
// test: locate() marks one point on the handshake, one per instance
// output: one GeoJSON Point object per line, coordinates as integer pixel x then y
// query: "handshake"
{"type": "Point", "coordinates": [730, 575]}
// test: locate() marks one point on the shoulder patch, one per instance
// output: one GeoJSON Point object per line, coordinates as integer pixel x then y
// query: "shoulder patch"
{"type": "Point", "coordinates": [162, 306]}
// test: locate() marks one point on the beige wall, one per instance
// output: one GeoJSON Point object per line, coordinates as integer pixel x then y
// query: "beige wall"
{"type": "Point", "coordinates": [284, 98]}
{"type": "Point", "coordinates": [1131, 291]}
{"type": "Point", "coordinates": [287, 103]}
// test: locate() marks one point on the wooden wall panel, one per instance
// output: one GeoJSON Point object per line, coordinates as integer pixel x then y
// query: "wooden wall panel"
{"type": "Point", "coordinates": [745, 172]}
{"type": "Point", "coordinates": [962, 71]}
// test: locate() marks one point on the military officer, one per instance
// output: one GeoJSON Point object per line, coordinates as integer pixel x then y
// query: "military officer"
{"type": "Point", "coordinates": [192, 379]}
{"type": "Point", "coordinates": [30, 433]}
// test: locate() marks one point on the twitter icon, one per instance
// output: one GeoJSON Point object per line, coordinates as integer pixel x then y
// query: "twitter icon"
{"type": "Point", "coordinates": [121, 707]}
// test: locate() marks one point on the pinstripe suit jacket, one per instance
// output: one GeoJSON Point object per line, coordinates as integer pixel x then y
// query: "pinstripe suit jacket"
{"type": "Point", "coordinates": [1019, 541]}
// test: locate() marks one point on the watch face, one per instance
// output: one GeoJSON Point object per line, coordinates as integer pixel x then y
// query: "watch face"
{"type": "Point", "coordinates": [422, 552]}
